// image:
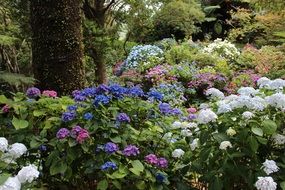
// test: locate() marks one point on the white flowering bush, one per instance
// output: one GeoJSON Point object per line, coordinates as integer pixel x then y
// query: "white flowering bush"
{"type": "Point", "coordinates": [9, 154]}
{"type": "Point", "coordinates": [236, 141]}
{"type": "Point", "coordinates": [143, 57]}
{"type": "Point", "coordinates": [223, 48]}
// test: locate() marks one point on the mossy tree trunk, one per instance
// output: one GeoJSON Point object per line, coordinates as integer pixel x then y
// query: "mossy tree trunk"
{"type": "Point", "coordinates": [57, 44]}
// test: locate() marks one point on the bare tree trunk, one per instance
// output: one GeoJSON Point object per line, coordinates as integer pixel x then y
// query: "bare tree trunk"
{"type": "Point", "coordinates": [57, 45]}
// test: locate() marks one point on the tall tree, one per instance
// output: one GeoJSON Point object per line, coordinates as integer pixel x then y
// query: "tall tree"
{"type": "Point", "coordinates": [57, 44]}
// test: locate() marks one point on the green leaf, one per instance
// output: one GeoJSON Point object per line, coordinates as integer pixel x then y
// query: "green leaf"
{"type": "Point", "coordinates": [269, 127]}
{"type": "Point", "coordinates": [116, 139]}
{"type": "Point", "coordinates": [19, 124]}
{"type": "Point", "coordinates": [38, 113]}
{"type": "Point", "coordinates": [102, 185]}
{"type": "Point", "coordinates": [141, 185]}
{"type": "Point", "coordinates": [220, 137]}
{"type": "Point", "coordinates": [4, 177]}
{"type": "Point", "coordinates": [137, 165]}
{"type": "Point", "coordinates": [58, 167]}
{"type": "Point", "coordinates": [117, 175]}
{"type": "Point", "coordinates": [253, 144]}
{"type": "Point", "coordinates": [117, 184]}
{"type": "Point", "coordinates": [257, 131]}
{"type": "Point", "coordinates": [262, 140]}
{"type": "Point", "coordinates": [3, 99]}
{"type": "Point", "coordinates": [282, 185]}
{"type": "Point", "coordinates": [135, 171]}
{"type": "Point", "coordinates": [205, 154]}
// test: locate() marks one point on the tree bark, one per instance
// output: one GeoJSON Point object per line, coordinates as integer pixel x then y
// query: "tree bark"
{"type": "Point", "coordinates": [57, 45]}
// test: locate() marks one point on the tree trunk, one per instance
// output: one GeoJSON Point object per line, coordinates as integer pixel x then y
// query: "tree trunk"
{"type": "Point", "coordinates": [57, 45]}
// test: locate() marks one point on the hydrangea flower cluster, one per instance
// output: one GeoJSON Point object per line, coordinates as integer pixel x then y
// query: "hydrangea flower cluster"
{"type": "Point", "coordinates": [109, 165]}
{"type": "Point", "coordinates": [269, 167]}
{"type": "Point", "coordinates": [223, 48]}
{"type": "Point", "coordinates": [33, 92]}
{"type": "Point", "coordinates": [50, 93]}
{"type": "Point", "coordinates": [206, 116]}
{"type": "Point", "coordinates": [178, 153]}
{"type": "Point", "coordinates": [214, 93]}
{"type": "Point", "coordinates": [131, 150]}
{"type": "Point", "coordinates": [154, 160]}
{"type": "Point", "coordinates": [160, 73]}
{"type": "Point", "coordinates": [110, 148]}
{"type": "Point", "coordinates": [76, 132]}
{"type": "Point", "coordinates": [142, 54]}
{"type": "Point", "coordinates": [172, 93]}
{"type": "Point", "coordinates": [166, 109]}
{"type": "Point", "coordinates": [123, 118]}
{"type": "Point", "coordinates": [265, 183]}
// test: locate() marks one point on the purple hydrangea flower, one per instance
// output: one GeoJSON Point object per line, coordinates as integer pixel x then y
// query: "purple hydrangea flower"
{"type": "Point", "coordinates": [79, 98]}
{"type": "Point", "coordinates": [118, 91]}
{"type": "Point", "coordinates": [102, 89]}
{"type": "Point", "coordinates": [43, 148]}
{"type": "Point", "coordinates": [151, 159]}
{"type": "Point", "coordinates": [68, 116]}
{"type": "Point", "coordinates": [123, 117]}
{"type": "Point", "coordinates": [33, 92]}
{"type": "Point", "coordinates": [111, 147]}
{"type": "Point", "coordinates": [131, 150]}
{"type": "Point", "coordinates": [176, 111]}
{"type": "Point", "coordinates": [62, 133]}
{"type": "Point", "coordinates": [82, 136]}
{"type": "Point", "coordinates": [192, 116]}
{"type": "Point", "coordinates": [89, 92]}
{"type": "Point", "coordinates": [88, 116]}
{"type": "Point", "coordinates": [108, 165]}
{"type": "Point", "coordinates": [165, 108]}
{"type": "Point", "coordinates": [75, 93]}
{"type": "Point", "coordinates": [75, 131]}
{"type": "Point", "coordinates": [162, 163]}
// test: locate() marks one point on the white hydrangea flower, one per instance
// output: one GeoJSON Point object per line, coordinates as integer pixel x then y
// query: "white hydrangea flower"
{"type": "Point", "coordinates": [263, 81]}
{"type": "Point", "coordinates": [276, 84]}
{"type": "Point", "coordinates": [231, 97]}
{"type": "Point", "coordinates": [269, 166]}
{"type": "Point", "coordinates": [225, 144]}
{"type": "Point", "coordinates": [17, 150]}
{"type": "Point", "coordinates": [247, 91]}
{"type": "Point", "coordinates": [278, 139]}
{"type": "Point", "coordinates": [276, 100]}
{"type": "Point", "coordinates": [28, 174]}
{"type": "Point", "coordinates": [12, 183]}
{"type": "Point", "coordinates": [194, 144]}
{"type": "Point", "coordinates": [206, 116]}
{"type": "Point", "coordinates": [265, 183]}
{"type": "Point", "coordinates": [204, 106]}
{"type": "Point", "coordinates": [215, 93]}
{"type": "Point", "coordinates": [224, 108]}
{"type": "Point", "coordinates": [177, 153]}
{"type": "Point", "coordinates": [231, 132]}
{"type": "Point", "coordinates": [191, 125]}
{"type": "Point", "coordinates": [186, 133]}
{"type": "Point", "coordinates": [3, 144]}
{"type": "Point", "coordinates": [247, 115]}
{"type": "Point", "coordinates": [176, 125]}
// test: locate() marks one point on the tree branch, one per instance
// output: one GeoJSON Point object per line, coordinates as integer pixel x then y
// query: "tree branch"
{"type": "Point", "coordinates": [109, 5]}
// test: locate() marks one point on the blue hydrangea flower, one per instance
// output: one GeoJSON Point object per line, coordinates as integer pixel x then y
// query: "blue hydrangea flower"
{"type": "Point", "coordinates": [155, 95]}
{"type": "Point", "coordinates": [111, 147]}
{"type": "Point", "coordinates": [101, 99]}
{"type": "Point", "coordinates": [88, 116]}
{"type": "Point", "coordinates": [135, 91]}
{"type": "Point", "coordinates": [33, 92]}
{"type": "Point", "coordinates": [89, 92]}
{"type": "Point", "coordinates": [160, 177]}
{"type": "Point", "coordinates": [43, 148]}
{"type": "Point", "coordinates": [117, 90]}
{"type": "Point", "coordinates": [108, 165]}
{"type": "Point", "coordinates": [68, 116]}
{"type": "Point", "coordinates": [176, 111]}
{"type": "Point", "coordinates": [71, 108]}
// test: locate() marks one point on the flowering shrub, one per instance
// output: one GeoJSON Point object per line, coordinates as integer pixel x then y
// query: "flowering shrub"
{"type": "Point", "coordinates": [159, 74]}
{"type": "Point", "coordinates": [222, 48]}
{"type": "Point", "coordinates": [103, 135]}
{"type": "Point", "coordinates": [143, 57]}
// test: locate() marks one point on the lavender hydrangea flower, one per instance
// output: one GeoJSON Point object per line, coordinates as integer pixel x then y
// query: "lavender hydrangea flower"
{"type": "Point", "coordinates": [33, 92]}
{"type": "Point", "coordinates": [62, 133]}
{"type": "Point", "coordinates": [176, 111]}
{"type": "Point", "coordinates": [68, 116]}
{"type": "Point", "coordinates": [123, 117]}
{"type": "Point", "coordinates": [108, 165]}
{"type": "Point", "coordinates": [131, 150]}
{"type": "Point", "coordinates": [165, 108]}
{"type": "Point", "coordinates": [102, 89]}
{"type": "Point", "coordinates": [111, 147]}
{"type": "Point", "coordinates": [79, 98]}
{"type": "Point", "coordinates": [75, 131]}
{"type": "Point", "coordinates": [162, 163]}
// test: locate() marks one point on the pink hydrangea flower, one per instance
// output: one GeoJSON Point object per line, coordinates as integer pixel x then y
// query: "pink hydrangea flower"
{"type": "Point", "coordinates": [82, 136]}
{"type": "Point", "coordinates": [191, 110]}
{"type": "Point", "coordinates": [5, 109]}
{"type": "Point", "coordinates": [151, 159]}
{"type": "Point", "coordinates": [50, 93]}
